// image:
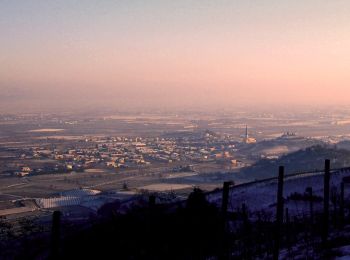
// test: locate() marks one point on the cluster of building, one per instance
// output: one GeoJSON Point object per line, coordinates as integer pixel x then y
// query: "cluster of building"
{"type": "Point", "coordinates": [125, 152]}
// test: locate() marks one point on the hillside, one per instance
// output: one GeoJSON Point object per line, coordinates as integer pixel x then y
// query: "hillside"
{"type": "Point", "coordinates": [309, 159]}
{"type": "Point", "coordinates": [279, 146]}
{"type": "Point", "coordinates": [344, 145]}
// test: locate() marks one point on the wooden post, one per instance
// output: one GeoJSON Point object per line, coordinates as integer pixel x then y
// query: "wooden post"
{"type": "Point", "coordinates": [325, 225]}
{"type": "Point", "coordinates": [152, 201]}
{"type": "Point", "coordinates": [342, 203]}
{"type": "Point", "coordinates": [287, 227]}
{"type": "Point", "coordinates": [245, 216]}
{"type": "Point", "coordinates": [247, 238]}
{"type": "Point", "coordinates": [243, 211]}
{"type": "Point", "coordinates": [310, 192]}
{"type": "Point", "coordinates": [224, 206]}
{"type": "Point", "coordinates": [56, 234]}
{"type": "Point", "coordinates": [279, 213]}
{"type": "Point", "coordinates": [225, 195]}
{"type": "Point", "coordinates": [333, 197]}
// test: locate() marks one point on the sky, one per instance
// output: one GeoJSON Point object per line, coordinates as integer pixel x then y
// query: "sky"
{"type": "Point", "coordinates": [160, 53]}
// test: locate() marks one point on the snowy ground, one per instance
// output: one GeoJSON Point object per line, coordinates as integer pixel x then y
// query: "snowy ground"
{"type": "Point", "coordinates": [262, 196]}
{"type": "Point", "coordinates": [165, 187]}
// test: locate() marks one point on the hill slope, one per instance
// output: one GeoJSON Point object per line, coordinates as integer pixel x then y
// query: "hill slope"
{"type": "Point", "coordinates": [308, 159]}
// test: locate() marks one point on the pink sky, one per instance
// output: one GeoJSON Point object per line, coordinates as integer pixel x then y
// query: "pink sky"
{"type": "Point", "coordinates": [177, 53]}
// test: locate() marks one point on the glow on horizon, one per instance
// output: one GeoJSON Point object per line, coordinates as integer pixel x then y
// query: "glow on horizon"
{"type": "Point", "coordinates": [176, 52]}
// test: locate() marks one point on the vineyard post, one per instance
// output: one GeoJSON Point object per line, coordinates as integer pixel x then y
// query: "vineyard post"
{"type": "Point", "coordinates": [325, 226]}
{"type": "Point", "coordinates": [279, 213]}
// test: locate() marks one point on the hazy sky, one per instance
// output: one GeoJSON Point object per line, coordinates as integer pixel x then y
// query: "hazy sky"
{"type": "Point", "coordinates": [166, 53]}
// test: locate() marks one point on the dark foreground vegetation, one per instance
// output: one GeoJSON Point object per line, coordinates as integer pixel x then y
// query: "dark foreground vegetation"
{"type": "Point", "coordinates": [196, 229]}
